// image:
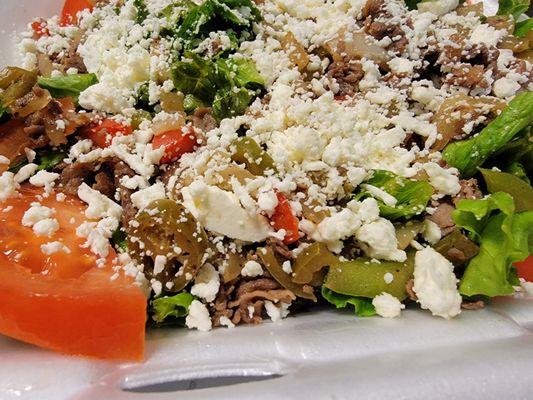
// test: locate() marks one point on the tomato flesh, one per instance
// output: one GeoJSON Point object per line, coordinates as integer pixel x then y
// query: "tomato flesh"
{"type": "Point", "coordinates": [283, 218]}
{"type": "Point", "coordinates": [176, 143]}
{"type": "Point", "coordinates": [39, 28]}
{"type": "Point", "coordinates": [63, 301]}
{"type": "Point", "coordinates": [71, 8]}
{"type": "Point", "coordinates": [525, 269]}
{"type": "Point", "coordinates": [103, 132]}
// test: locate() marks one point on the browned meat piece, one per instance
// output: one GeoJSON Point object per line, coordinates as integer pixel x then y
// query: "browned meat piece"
{"type": "Point", "coordinates": [469, 190]}
{"type": "Point", "coordinates": [372, 8]}
{"type": "Point", "coordinates": [467, 76]}
{"type": "Point", "coordinates": [347, 74]}
{"type": "Point", "coordinates": [72, 59]}
{"type": "Point", "coordinates": [473, 305]}
{"type": "Point", "coordinates": [233, 301]}
{"type": "Point", "coordinates": [443, 218]}
{"type": "Point", "coordinates": [280, 248]}
{"type": "Point", "coordinates": [105, 176]}
{"type": "Point", "coordinates": [203, 119]}
{"type": "Point", "coordinates": [409, 289]}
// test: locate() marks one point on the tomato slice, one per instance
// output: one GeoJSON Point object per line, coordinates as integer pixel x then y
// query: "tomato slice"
{"type": "Point", "coordinates": [176, 143]}
{"type": "Point", "coordinates": [71, 8]}
{"type": "Point", "coordinates": [103, 132]}
{"type": "Point", "coordinates": [63, 301]}
{"type": "Point", "coordinates": [283, 218]}
{"type": "Point", "coordinates": [525, 269]}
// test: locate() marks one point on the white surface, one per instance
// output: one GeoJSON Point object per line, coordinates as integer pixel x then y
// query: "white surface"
{"type": "Point", "coordinates": [326, 354]}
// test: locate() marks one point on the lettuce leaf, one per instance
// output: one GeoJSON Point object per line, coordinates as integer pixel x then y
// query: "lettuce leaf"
{"type": "Point", "coordinates": [513, 7]}
{"type": "Point", "coordinates": [228, 84]}
{"type": "Point", "coordinates": [362, 306]}
{"type": "Point", "coordinates": [520, 190]}
{"type": "Point", "coordinates": [412, 196]}
{"type": "Point", "coordinates": [175, 306]}
{"type": "Point", "coordinates": [522, 28]}
{"type": "Point", "coordinates": [67, 85]}
{"type": "Point", "coordinates": [504, 238]}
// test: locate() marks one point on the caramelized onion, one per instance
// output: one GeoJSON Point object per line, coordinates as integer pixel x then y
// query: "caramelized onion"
{"type": "Point", "coordinates": [356, 46]}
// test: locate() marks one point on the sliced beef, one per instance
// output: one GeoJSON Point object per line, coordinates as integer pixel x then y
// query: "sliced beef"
{"type": "Point", "coordinates": [203, 119]}
{"type": "Point", "coordinates": [473, 305]}
{"type": "Point", "coordinates": [377, 24]}
{"type": "Point", "coordinates": [280, 248]}
{"type": "Point", "coordinates": [104, 175]}
{"type": "Point", "coordinates": [235, 301]}
{"type": "Point", "coordinates": [469, 190]}
{"type": "Point", "coordinates": [443, 218]}
{"type": "Point", "coordinates": [347, 74]}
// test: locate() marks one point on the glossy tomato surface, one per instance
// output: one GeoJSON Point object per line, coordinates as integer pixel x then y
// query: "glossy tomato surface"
{"type": "Point", "coordinates": [64, 301]}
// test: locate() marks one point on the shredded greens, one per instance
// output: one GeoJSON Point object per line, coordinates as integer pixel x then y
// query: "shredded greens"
{"type": "Point", "coordinates": [68, 85]}
{"type": "Point", "coordinates": [504, 237]}
{"type": "Point", "coordinates": [411, 196]}
{"type": "Point", "coordinates": [362, 306]}
{"type": "Point", "coordinates": [513, 7]}
{"type": "Point", "coordinates": [176, 306]}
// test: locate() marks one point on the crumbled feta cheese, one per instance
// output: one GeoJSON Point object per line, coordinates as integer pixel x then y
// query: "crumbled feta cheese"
{"type": "Point", "coordinates": [267, 202]}
{"type": "Point", "coordinates": [527, 286]}
{"type": "Point", "coordinates": [432, 233]}
{"type": "Point", "coordinates": [225, 321]}
{"type": "Point", "coordinates": [44, 179]}
{"type": "Point", "coordinates": [445, 180]}
{"type": "Point", "coordinates": [252, 269]}
{"type": "Point", "coordinates": [46, 227]}
{"type": "Point", "coordinates": [100, 206]}
{"type": "Point", "coordinates": [25, 172]}
{"type": "Point", "coordinates": [505, 87]}
{"type": "Point", "coordinates": [435, 284]}
{"type": "Point", "coordinates": [437, 7]}
{"type": "Point", "coordinates": [277, 313]}
{"type": "Point", "coordinates": [487, 34]}
{"type": "Point", "coordinates": [54, 247]}
{"type": "Point", "coordinates": [4, 160]}
{"type": "Point", "coordinates": [198, 317]}
{"type": "Point", "coordinates": [220, 211]}
{"type": "Point", "coordinates": [142, 198]}
{"type": "Point", "coordinates": [381, 241]}
{"type": "Point", "coordinates": [287, 267]}
{"type": "Point", "coordinates": [159, 264]}
{"type": "Point", "coordinates": [35, 214]}
{"type": "Point", "coordinates": [206, 283]}
{"type": "Point", "coordinates": [387, 306]}
{"type": "Point", "coordinates": [8, 186]}
{"type": "Point", "coordinates": [388, 278]}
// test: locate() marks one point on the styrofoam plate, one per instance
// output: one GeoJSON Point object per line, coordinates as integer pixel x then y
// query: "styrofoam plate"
{"type": "Point", "coordinates": [325, 354]}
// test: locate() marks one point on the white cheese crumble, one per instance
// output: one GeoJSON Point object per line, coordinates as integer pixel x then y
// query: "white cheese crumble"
{"type": "Point", "coordinates": [387, 306]}
{"type": "Point", "coordinates": [252, 269]}
{"type": "Point", "coordinates": [142, 198]}
{"type": "Point", "coordinates": [277, 313]}
{"type": "Point", "coordinates": [8, 186]}
{"type": "Point", "coordinates": [225, 321]}
{"type": "Point", "coordinates": [220, 211]}
{"type": "Point", "coordinates": [381, 241]}
{"type": "Point", "coordinates": [206, 283]}
{"type": "Point", "coordinates": [54, 247]}
{"type": "Point", "coordinates": [99, 205]}
{"type": "Point", "coordinates": [198, 317]}
{"type": "Point", "coordinates": [25, 172]}
{"type": "Point", "coordinates": [435, 284]}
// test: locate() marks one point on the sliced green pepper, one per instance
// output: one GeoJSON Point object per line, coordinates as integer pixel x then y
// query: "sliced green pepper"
{"type": "Point", "coordinates": [311, 261]}
{"type": "Point", "coordinates": [521, 191]}
{"type": "Point", "coordinates": [273, 266]}
{"type": "Point", "coordinates": [363, 278]}
{"type": "Point", "coordinates": [248, 152]}
{"type": "Point", "coordinates": [456, 240]}
{"type": "Point", "coordinates": [15, 82]}
{"type": "Point", "coordinates": [468, 155]}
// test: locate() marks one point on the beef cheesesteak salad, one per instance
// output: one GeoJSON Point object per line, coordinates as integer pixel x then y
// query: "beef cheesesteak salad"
{"type": "Point", "coordinates": [222, 162]}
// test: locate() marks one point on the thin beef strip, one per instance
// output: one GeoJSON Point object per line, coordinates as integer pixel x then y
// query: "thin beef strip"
{"type": "Point", "coordinates": [105, 176]}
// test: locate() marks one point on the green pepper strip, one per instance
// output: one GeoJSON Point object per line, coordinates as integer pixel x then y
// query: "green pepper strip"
{"type": "Point", "coordinates": [274, 268]}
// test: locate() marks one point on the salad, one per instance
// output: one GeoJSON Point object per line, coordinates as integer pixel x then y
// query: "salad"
{"type": "Point", "coordinates": [212, 163]}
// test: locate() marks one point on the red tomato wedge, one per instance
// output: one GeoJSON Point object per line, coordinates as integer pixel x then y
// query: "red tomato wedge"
{"type": "Point", "coordinates": [71, 8]}
{"type": "Point", "coordinates": [176, 143]}
{"type": "Point", "coordinates": [525, 269]}
{"type": "Point", "coordinates": [73, 307]}
{"type": "Point", "coordinates": [283, 218]}
{"type": "Point", "coordinates": [103, 132]}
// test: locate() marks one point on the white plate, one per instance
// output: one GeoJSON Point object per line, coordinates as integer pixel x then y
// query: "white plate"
{"type": "Point", "coordinates": [325, 354]}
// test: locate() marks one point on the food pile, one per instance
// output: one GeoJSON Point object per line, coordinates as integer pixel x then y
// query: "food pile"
{"type": "Point", "coordinates": [220, 162]}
